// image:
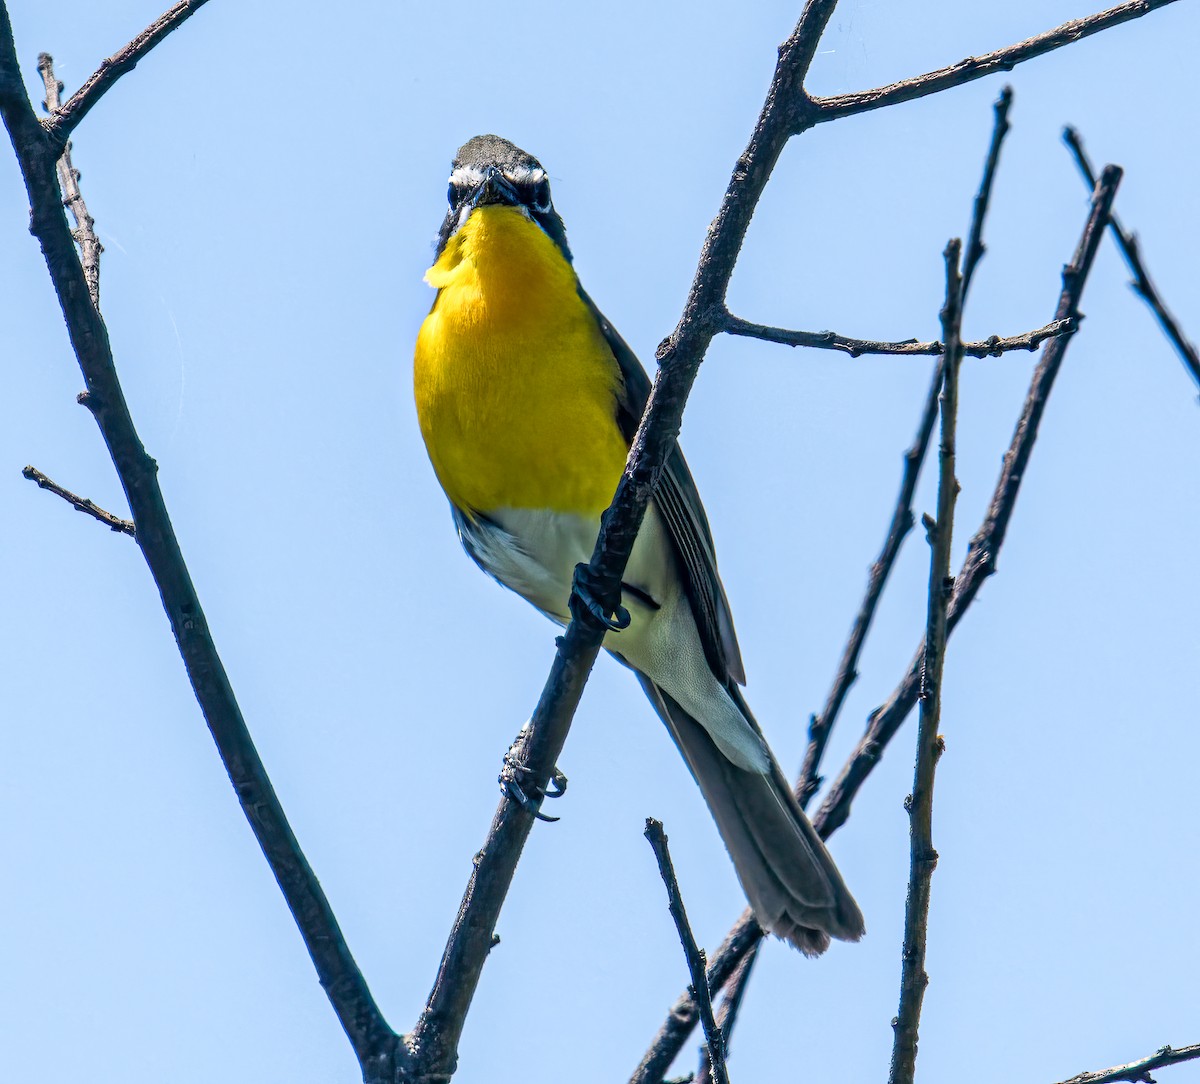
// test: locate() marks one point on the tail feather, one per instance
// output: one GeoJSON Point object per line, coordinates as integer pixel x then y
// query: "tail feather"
{"type": "Point", "coordinates": [793, 886]}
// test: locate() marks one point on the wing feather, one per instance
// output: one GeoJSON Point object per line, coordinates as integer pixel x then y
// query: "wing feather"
{"type": "Point", "coordinates": [679, 502]}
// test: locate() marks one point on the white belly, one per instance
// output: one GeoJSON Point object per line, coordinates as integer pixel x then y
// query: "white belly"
{"type": "Point", "coordinates": [535, 553]}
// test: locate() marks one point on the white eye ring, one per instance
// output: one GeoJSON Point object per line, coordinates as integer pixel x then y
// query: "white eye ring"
{"type": "Point", "coordinates": [541, 196]}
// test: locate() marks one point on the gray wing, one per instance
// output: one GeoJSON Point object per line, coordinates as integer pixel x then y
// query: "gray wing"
{"type": "Point", "coordinates": [679, 503]}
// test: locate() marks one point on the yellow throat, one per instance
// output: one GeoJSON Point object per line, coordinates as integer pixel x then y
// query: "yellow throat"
{"type": "Point", "coordinates": [515, 385]}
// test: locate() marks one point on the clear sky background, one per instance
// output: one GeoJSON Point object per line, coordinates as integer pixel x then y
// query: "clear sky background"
{"type": "Point", "coordinates": [267, 185]}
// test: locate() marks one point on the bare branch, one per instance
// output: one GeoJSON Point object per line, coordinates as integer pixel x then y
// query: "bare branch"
{"type": "Point", "coordinates": [1139, 1071]}
{"type": "Point", "coordinates": [820, 726]}
{"type": "Point", "coordinates": [727, 1013]}
{"type": "Point", "coordinates": [975, 246]}
{"type": "Point", "coordinates": [820, 110]}
{"type": "Point", "coordinates": [923, 858]}
{"type": "Point", "coordinates": [68, 179]}
{"type": "Point", "coordinates": [80, 504]}
{"type": "Point", "coordinates": [434, 1040]}
{"type": "Point", "coordinates": [885, 721]}
{"type": "Point", "coordinates": [1142, 286]}
{"type": "Point", "coordinates": [64, 120]}
{"type": "Point", "coordinates": [991, 347]}
{"type": "Point", "coordinates": [713, 1038]}
{"type": "Point", "coordinates": [681, 1021]}
{"type": "Point", "coordinates": [369, 1034]}
{"type": "Point", "coordinates": [986, 542]}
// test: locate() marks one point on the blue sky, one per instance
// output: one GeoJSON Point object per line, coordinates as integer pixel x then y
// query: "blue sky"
{"type": "Point", "coordinates": [267, 187]}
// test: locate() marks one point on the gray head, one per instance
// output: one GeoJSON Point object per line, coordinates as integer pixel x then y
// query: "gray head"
{"type": "Point", "coordinates": [491, 170]}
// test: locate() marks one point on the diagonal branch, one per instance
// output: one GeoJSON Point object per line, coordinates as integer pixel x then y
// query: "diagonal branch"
{"type": "Point", "coordinates": [681, 1021]}
{"type": "Point", "coordinates": [820, 726]}
{"type": "Point", "coordinates": [1142, 286]}
{"type": "Point", "coordinates": [976, 249]}
{"type": "Point", "coordinates": [985, 544]}
{"type": "Point", "coordinates": [923, 858]}
{"type": "Point", "coordinates": [694, 955]}
{"type": "Point", "coordinates": [80, 504]}
{"type": "Point", "coordinates": [1138, 1071]}
{"type": "Point", "coordinates": [820, 110]}
{"type": "Point", "coordinates": [68, 180]}
{"type": "Point", "coordinates": [885, 721]}
{"type": "Point", "coordinates": [727, 1014]}
{"type": "Point", "coordinates": [434, 1040]}
{"type": "Point", "coordinates": [155, 535]}
{"type": "Point", "coordinates": [992, 347]}
{"type": "Point", "coordinates": [64, 120]}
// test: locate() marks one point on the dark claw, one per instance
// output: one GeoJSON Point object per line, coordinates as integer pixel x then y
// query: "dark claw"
{"type": "Point", "coordinates": [558, 785]}
{"type": "Point", "coordinates": [515, 771]}
{"type": "Point", "coordinates": [510, 787]}
{"type": "Point", "coordinates": [583, 602]}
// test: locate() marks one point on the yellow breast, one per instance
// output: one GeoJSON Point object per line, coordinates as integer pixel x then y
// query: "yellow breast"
{"type": "Point", "coordinates": [515, 386]}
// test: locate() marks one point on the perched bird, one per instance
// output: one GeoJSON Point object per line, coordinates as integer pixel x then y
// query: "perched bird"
{"type": "Point", "coordinates": [528, 401]}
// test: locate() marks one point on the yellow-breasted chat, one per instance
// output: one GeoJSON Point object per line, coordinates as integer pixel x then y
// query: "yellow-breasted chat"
{"type": "Point", "coordinates": [528, 400]}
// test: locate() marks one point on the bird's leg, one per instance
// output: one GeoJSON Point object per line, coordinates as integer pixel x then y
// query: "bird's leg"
{"type": "Point", "coordinates": [585, 606]}
{"type": "Point", "coordinates": [515, 781]}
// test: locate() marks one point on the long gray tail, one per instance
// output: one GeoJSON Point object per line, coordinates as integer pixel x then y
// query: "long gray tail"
{"type": "Point", "coordinates": [788, 876]}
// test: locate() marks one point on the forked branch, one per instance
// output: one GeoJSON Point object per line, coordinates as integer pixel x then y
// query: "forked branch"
{"type": "Point", "coordinates": [821, 726]}
{"type": "Point", "coordinates": [155, 535]}
{"type": "Point", "coordinates": [886, 720]}
{"type": "Point", "coordinates": [434, 1041]}
{"type": "Point", "coordinates": [433, 1044]}
{"type": "Point", "coordinates": [63, 121]}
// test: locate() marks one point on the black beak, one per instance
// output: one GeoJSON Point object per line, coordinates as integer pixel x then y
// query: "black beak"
{"type": "Point", "coordinates": [494, 188]}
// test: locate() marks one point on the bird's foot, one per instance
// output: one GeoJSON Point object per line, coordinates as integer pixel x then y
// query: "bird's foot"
{"type": "Point", "coordinates": [517, 782]}
{"type": "Point", "coordinates": [585, 606]}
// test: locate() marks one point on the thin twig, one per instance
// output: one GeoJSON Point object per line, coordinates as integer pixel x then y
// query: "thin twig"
{"type": "Point", "coordinates": [372, 1039]}
{"type": "Point", "coordinates": [992, 347]}
{"type": "Point", "coordinates": [434, 1040]}
{"type": "Point", "coordinates": [886, 720]}
{"type": "Point", "coordinates": [985, 544]}
{"type": "Point", "coordinates": [821, 726]}
{"type": "Point", "coordinates": [714, 1040]}
{"type": "Point", "coordinates": [1142, 286]}
{"type": "Point", "coordinates": [975, 247]}
{"type": "Point", "coordinates": [63, 121]}
{"type": "Point", "coordinates": [922, 856]}
{"type": "Point", "coordinates": [1138, 1072]}
{"type": "Point", "coordinates": [821, 110]}
{"type": "Point", "coordinates": [81, 504]}
{"type": "Point", "coordinates": [727, 1013]}
{"type": "Point", "coordinates": [68, 179]}
{"type": "Point", "coordinates": [742, 940]}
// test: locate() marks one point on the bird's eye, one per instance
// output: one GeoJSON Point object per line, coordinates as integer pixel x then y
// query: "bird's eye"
{"type": "Point", "coordinates": [452, 195]}
{"type": "Point", "coordinates": [540, 196]}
